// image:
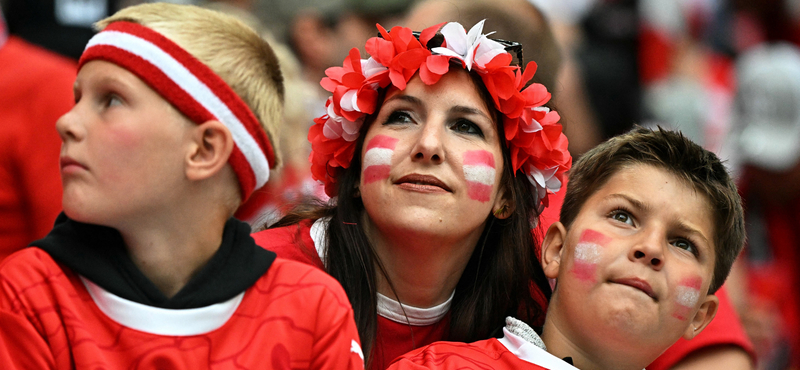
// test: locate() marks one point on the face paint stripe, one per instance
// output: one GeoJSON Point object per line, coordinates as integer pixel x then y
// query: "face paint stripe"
{"type": "Point", "coordinates": [587, 252]}
{"type": "Point", "coordinates": [478, 191]}
{"type": "Point", "coordinates": [482, 174]}
{"type": "Point", "coordinates": [376, 173]}
{"type": "Point", "coordinates": [595, 237]}
{"type": "Point", "coordinates": [378, 157]}
{"type": "Point", "coordinates": [382, 141]}
{"type": "Point", "coordinates": [479, 157]}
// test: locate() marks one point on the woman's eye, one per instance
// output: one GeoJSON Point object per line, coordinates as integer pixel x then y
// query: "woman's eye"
{"type": "Point", "coordinates": [685, 245]}
{"type": "Point", "coordinates": [398, 117]}
{"type": "Point", "coordinates": [466, 127]}
{"type": "Point", "coordinates": [622, 216]}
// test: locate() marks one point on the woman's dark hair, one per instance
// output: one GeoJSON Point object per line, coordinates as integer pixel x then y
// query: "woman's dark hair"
{"type": "Point", "coordinates": [502, 278]}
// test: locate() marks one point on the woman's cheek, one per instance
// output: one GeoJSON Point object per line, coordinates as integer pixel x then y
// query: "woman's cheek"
{"type": "Point", "coordinates": [378, 158]}
{"type": "Point", "coordinates": [479, 172]}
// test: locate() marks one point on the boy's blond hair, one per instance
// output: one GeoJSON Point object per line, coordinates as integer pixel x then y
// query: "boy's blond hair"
{"type": "Point", "coordinates": [235, 52]}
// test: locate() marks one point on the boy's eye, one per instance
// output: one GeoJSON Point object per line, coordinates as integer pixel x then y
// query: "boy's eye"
{"type": "Point", "coordinates": [113, 100]}
{"type": "Point", "coordinates": [466, 127]}
{"type": "Point", "coordinates": [685, 245]}
{"type": "Point", "coordinates": [398, 117]}
{"type": "Point", "coordinates": [622, 216]}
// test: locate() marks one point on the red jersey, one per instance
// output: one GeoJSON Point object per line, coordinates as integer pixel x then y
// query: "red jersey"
{"type": "Point", "coordinates": [304, 242]}
{"type": "Point", "coordinates": [293, 317]}
{"type": "Point", "coordinates": [511, 352]}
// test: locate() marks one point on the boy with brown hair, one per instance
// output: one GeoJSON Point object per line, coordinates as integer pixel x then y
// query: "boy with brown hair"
{"type": "Point", "coordinates": [650, 226]}
{"type": "Point", "coordinates": [146, 268]}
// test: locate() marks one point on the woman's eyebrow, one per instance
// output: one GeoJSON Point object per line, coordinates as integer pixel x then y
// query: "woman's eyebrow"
{"type": "Point", "coordinates": [468, 110]}
{"type": "Point", "coordinates": [407, 98]}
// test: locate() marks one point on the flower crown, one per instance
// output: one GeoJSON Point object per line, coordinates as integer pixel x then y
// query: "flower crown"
{"type": "Point", "coordinates": [532, 132]}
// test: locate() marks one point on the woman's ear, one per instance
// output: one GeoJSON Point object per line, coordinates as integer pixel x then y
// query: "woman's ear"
{"type": "Point", "coordinates": [552, 247]}
{"type": "Point", "coordinates": [211, 147]}
{"type": "Point", "coordinates": [707, 311]}
{"type": "Point", "coordinates": [503, 207]}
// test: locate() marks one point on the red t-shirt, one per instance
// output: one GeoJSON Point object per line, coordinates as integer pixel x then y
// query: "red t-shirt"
{"type": "Point", "coordinates": [35, 90]}
{"type": "Point", "coordinates": [293, 317]}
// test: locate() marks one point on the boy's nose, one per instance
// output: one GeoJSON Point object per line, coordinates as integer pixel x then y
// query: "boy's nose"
{"type": "Point", "coordinates": [649, 250]}
{"type": "Point", "coordinates": [429, 144]}
{"type": "Point", "coordinates": [68, 127]}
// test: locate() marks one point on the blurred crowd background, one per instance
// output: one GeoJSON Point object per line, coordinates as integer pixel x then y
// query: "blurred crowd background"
{"type": "Point", "coordinates": [724, 72]}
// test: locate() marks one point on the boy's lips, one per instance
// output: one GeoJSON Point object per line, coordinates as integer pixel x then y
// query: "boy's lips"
{"type": "Point", "coordinates": [424, 183]}
{"type": "Point", "coordinates": [638, 284]}
{"type": "Point", "coordinates": [67, 162]}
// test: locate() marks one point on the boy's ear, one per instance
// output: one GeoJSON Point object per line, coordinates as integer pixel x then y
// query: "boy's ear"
{"type": "Point", "coordinates": [212, 145]}
{"type": "Point", "coordinates": [503, 207]}
{"type": "Point", "coordinates": [703, 317]}
{"type": "Point", "coordinates": [552, 247]}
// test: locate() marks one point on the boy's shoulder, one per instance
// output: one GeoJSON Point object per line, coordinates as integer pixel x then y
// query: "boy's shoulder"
{"type": "Point", "coordinates": [288, 275]}
{"type": "Point", "coordinates": [29, 265]}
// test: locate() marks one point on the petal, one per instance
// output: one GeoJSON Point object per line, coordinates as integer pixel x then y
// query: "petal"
{"type": "Point", "coordinates": [456, 38]}
{"type": "Point", "coordinates": [428, 33]}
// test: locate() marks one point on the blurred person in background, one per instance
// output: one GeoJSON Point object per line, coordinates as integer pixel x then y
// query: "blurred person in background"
{"type": "Point", "coordinates": [765, 147]}
{"type": "Point", "coordinates": [36, 89]}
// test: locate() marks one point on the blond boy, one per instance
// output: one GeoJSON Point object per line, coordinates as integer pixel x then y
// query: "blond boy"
{"type": "Point", "coordinates": [176, 110]}
{"type": "Point", "coordinates": [649, 229]}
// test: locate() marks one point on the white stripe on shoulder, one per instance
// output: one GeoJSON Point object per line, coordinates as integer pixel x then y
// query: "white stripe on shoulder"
{"type": "Point", "coordinates": [161, 321]}
{"type": "Point", "coordinates": [529, 352]}
{"type": "Point", "coordinates": [318, 236]}
{"type": "Point", "coordinates": [415, 316]}
{"type": "Point", "coordinates": [179, 74]}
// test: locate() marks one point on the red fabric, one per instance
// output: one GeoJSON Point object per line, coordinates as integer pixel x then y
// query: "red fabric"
{"type": "Point", "coordinates": [291, 242]}
{"type": "Point", "coordinates": [395, 339]}
{"type": "Point", "coordinates": [725, 329]}
{"type": "Point", "coordinates": [486, 354]}
{"type": "Point", "coordinates": [35, 90]}
{"type": "Point", "coordinates": [293, 317]}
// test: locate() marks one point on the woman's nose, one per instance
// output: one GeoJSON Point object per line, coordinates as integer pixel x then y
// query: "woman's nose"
{"type": "Point", "coordinates": [429, 145]}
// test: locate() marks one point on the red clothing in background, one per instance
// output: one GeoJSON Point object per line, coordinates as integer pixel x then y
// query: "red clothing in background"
{"type": "Point", "coordinates": [35, 90]}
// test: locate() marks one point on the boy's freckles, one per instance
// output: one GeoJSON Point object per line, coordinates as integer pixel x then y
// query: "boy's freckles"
{"type": "Point", "coordinates": [479, 171]}
{"type": "Point", "coordinates": [378, 158]}
{"type": "Point", "coordinates": [688, 294]}
{"type": "Point", "coordinates": [587, 254]}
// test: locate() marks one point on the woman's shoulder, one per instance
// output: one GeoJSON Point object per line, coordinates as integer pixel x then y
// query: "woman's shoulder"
{"type": "Point", "coordinates": [293, 242]}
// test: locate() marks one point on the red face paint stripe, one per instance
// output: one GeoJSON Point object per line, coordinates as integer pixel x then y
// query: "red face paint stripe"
{"type": "Point", "coordinates": [591, 236]}
{"type": "Point", "coordinates": [478, 191]}
{"type": "Point", "coordinates": [382, 141]}
{"type": "Point", "coordinates": [479, 157]}
{"type": "Point", "coordinates": [376, 173]}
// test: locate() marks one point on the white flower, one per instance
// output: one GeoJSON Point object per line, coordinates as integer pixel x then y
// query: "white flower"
{"type": "Point", "coordinates": [370, 67]}
{"type": "Point", "coordinates": [471, 48]}
{"type": "Point", "coordinates": [543, 180]}
{"type": "Point", "coordinates": [337, 126]}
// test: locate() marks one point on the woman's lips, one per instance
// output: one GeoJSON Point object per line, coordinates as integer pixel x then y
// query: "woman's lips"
{"type": "Point", "coordinates": [422, 183]}
{"type": "Point", "coordinates": [638, 284]}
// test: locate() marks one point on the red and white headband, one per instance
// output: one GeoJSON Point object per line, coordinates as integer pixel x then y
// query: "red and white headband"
{"type": "Point", "coordinates": [193, 88]}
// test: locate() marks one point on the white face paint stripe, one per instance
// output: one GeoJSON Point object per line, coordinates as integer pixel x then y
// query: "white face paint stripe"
{"type": "Point", "coordinates": [587, 252]}
{"type": "Point", "coordinates": [378, 157]}
{"type": "Point", "coordinates": [480, 173]}
{"type": "Point", "coordinates": [687, 296]}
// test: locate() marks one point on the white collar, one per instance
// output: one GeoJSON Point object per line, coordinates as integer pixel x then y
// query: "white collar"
{"type": "Point", "coordinates": [523, 342]}
{"type": "Point", "coordinates": [162, 321]}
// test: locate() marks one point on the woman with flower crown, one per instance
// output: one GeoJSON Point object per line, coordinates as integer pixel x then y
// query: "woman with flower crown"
{"type": "Point", "coordinates": [439, 158]}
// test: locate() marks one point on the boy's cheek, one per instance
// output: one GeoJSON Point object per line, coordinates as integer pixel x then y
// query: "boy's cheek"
{"type": "Point", "coordinates": [588, 253]}
{"type": "Point", "coordinates": [378, 158]}
{"type": "Point", "coordinates": [687, 296]}
{"type": "Point", "coordinates": [479, 173]}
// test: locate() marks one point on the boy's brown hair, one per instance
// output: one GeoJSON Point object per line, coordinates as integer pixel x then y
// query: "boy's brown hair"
{"type": "Point", "coordinates": [671, 151]}
{"type": "Point", "coordinates": [234, 51]}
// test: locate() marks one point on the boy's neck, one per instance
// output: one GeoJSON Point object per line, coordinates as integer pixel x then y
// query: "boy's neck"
{"type": "Point", "coordinates": [170, 251]}
{"type": "Point", "coordinates": [559, 344]}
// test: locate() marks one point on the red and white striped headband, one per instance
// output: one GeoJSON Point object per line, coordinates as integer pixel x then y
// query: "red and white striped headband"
{"type": "Point", "coordinates": [193, 88]}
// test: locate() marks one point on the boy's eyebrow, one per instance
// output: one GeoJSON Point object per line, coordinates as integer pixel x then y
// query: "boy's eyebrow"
{"type": "Point", "coordinates": [635, 202]}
